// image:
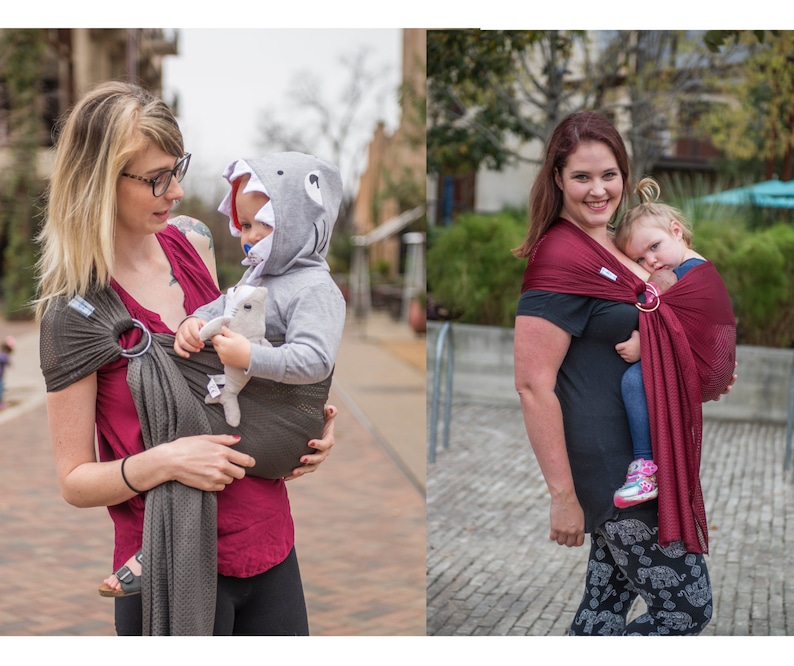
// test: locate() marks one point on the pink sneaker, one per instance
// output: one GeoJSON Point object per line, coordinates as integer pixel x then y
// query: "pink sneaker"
{"type": "Point", "coordinates": [640, 484]}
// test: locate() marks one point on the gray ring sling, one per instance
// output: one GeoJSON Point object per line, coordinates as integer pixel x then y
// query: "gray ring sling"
{"type": "Point", "coordinates": [80, 335]}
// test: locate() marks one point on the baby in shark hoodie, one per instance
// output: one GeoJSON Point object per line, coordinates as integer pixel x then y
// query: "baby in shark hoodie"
{"type": "Point", "coordinates": [283, 208]}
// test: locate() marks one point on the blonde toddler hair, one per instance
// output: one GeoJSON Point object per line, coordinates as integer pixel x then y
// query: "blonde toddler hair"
{"type": "Point", "coordinates": [650, 210]}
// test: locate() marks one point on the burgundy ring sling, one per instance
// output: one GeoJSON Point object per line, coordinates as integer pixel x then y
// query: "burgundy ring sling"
{"type": "Point", "coordinates": [688, 354]}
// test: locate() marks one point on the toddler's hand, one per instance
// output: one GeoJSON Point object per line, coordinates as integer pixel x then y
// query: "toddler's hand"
{"type": "Point", "coordinates": [663, 278]}
{"type": "Point", "coordinates": [233, 348]}
{"type": "Point", "coordinates": [629, 350]}
{"type": "Point", "coordinates": [187, 338]}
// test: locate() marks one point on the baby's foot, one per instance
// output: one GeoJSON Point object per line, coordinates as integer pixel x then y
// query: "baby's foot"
{"type": "Point", "coordinates": [640, 486]}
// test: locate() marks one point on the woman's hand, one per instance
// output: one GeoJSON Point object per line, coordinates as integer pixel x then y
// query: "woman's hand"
{"type": "Point", "coordinates": [206, 462]}
{"type": "Point", "coordinates": [730, 385]}
{"type": "Point", "coordinates": [323, 447]}
{"type": "Point", "coordinates": [567, 520]}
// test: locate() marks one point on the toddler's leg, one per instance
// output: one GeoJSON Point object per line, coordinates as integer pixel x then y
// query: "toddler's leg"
{"type": "Point", "coordinates": [640, 485]}
{"type": "Point", "coordinates": [633, 392]}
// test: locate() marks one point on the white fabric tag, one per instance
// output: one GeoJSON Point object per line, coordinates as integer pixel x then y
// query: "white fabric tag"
{"type": "Point", "coordinates": [82, 306]}
{"type": "Point", "coordinates": [214, 384]}
{"type": "Point", "coordinates": [608, 274]}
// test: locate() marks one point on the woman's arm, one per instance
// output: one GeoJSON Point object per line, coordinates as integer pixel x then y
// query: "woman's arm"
{"type": "Point", "coordinates": [83, 482]}
{"type": "Point", "coordinates": [206, 461]}
{"type": "Point", "coordinates": [539, 349]}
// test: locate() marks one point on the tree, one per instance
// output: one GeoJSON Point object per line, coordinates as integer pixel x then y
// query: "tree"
{"type": "Point", "coordinates": [485, 88]}
{"type": "Point", "coordinates": [21, 56]}
{"type": "Point", "coordinates": [491, 92]}
{"type": "Point", "coordinates": [338, 128]}
{"type": "Point", "coordinates": [663, 75]}
{"type": "Point", "coordinates": [756, 120]}
{"type": "Point", "coordinates": [715, 40]}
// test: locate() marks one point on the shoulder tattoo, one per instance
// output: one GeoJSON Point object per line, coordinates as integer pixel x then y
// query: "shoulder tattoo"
{"type": "Point", "coordinates": [187, 224]}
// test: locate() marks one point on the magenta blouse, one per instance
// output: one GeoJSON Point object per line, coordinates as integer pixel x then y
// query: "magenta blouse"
{"type": "Point", "coordinates": [255, 528]}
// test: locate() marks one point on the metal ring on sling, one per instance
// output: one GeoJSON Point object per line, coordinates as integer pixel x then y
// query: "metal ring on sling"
{"type": "Point", "coordinates": [143, 346]}
{"type": "Point", "coordinates": [641, 306]}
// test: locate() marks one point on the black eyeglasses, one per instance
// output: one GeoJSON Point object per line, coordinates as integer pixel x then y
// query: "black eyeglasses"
{"type": "Point", "coordinates": [161, 181]}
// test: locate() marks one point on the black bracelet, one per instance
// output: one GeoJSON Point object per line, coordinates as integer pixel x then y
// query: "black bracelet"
{"type": "Point", "coordinates": [124, 476]}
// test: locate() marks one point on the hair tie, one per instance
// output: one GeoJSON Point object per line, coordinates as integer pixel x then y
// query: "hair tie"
{"type": "Point", "coordinates": [124, 476]}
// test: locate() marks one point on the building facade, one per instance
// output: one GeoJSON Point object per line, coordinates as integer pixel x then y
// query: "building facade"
{"type": "Point", "coordinates": [74, 60]}
{"type": "Point", "coordinates": [394, 180]}
{"type": "Point", "coordinates": [656, 85]}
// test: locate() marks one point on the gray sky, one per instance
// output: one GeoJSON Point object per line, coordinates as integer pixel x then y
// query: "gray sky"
{"type": "Point", "coordinates": [227, 78]}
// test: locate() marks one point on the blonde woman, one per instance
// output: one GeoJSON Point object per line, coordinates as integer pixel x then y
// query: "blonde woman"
{"type": "Point", "coordinates": [119, 159]}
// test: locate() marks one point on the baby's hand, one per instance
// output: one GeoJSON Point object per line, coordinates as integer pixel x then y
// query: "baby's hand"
{"type": "Point", "coordinates": [663, 278]}
{"type": "Point", "coordinates": [629, 350]}
{"type": "Point", "coordinates": [233, 348]}
{"type": "Point", "coordinates": [187, 337]}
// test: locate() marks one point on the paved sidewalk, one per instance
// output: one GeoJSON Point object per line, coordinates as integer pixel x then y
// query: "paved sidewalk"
{"type": "Point", "coordinates": [360, 521]}
{"type": "Point", "coordinates": [493, 571]}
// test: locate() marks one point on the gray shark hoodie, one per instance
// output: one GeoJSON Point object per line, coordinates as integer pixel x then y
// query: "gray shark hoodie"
{"type": "Point", "coordinates": [304, 305]}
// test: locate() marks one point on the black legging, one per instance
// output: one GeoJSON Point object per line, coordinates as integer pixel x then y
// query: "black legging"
{"type": "Point", "coordinates": [269, 604]}
{"type": "Point", "coordinates": [626, 561]}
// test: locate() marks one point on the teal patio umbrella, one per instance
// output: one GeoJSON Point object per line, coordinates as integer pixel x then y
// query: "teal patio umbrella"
{"type": "Point", "coordinates": [768, 194]}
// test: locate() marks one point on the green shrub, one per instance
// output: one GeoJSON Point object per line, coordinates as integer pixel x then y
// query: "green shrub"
{"type": "Point", "coordinates": [763, 273]}
{"type": "Point", "coordinates": [471, 269]}
{"type": "Point", "coordinates": [718, 241]}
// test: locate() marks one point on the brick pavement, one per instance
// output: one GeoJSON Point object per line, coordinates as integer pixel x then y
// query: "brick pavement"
{"type": "Point", "coordinates": [360, 521]}
{"type": "Point", "coordinates": [53, 556]}
{"type": "Point", "coordinates": [361, 540]}
{"type": "Point", "coordinates": [493, 571]}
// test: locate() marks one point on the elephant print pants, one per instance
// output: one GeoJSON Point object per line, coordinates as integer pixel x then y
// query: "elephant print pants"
{"type": "Point", "coordinates": [626, 561]}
